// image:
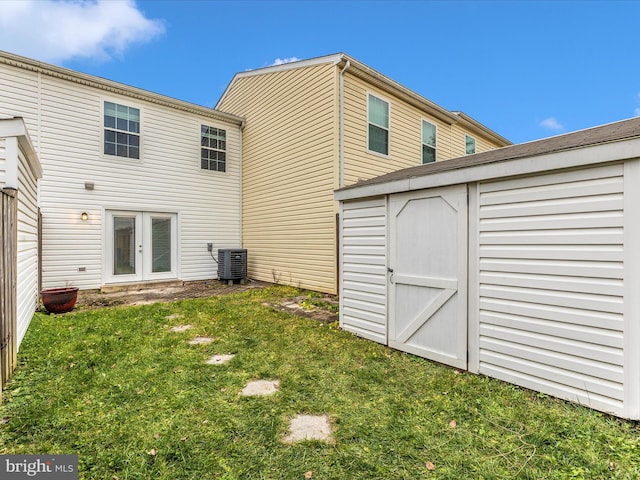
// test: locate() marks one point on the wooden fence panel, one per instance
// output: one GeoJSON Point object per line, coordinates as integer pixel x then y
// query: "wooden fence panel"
{"type": "Point", "coordinates": [8, 281]}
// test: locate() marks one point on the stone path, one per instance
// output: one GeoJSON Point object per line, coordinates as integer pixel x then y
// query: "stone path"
{"type": "Point", "coordinates": [180, 328]}
{"type": "Point", "coordinates": [220, 359]}
{"type": "Point", "coordinates": [309, 427]}
{"type": "Point", "coordinates": [259, 388]}
{"type": "Point", "coordinates": [301, 427]}
{"type": "Point", "coordinates": [201, 340]}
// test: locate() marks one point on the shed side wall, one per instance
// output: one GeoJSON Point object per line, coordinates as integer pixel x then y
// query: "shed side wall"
{"type": "Point", "coordinates": [363, 290]}
{"type": "Point", "coordinates": [551, 284]}
{"type": "Point", "coordinates": [27, 251]}
{"type": "Point", "coordinates": [2, 163]}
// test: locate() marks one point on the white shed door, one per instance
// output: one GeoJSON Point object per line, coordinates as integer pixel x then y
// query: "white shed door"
{"type": "Point", "coordinates": [428, 263]}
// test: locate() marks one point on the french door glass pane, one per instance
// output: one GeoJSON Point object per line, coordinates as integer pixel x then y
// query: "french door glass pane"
{"type": "Point", "coordinates": [124, 245]}
{"type": "Point", "coordinates": [160, 245]}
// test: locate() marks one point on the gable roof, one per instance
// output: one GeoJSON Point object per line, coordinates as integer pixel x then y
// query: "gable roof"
{"type": "Point", "coordinates": [600, 135]}
{"type": "Point", "coordinates": [15, 127]}
{"type": "Point", "coordinates": [381, 81]}
{"type": "Point", "coordinates": [11, 59]}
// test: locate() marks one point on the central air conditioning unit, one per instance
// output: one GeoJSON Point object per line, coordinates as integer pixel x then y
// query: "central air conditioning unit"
{"type": "Point", "coordinates": [232, 264]}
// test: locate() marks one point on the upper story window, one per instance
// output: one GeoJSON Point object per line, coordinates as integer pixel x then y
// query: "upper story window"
{"type": "Point", "coordinates": [121, 130]}
{"type": "Point", "coordinates": [470, 143]}
{"type": "Point", "coordinates": [378, 125]}
{"type": "Point", "coordinates": [428, 142]}
{"type": "Point", "coordinates": [213, 151]}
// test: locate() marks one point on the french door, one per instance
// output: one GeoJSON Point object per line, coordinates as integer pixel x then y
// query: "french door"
{"type": "Point", "coordinates": [140, 246]}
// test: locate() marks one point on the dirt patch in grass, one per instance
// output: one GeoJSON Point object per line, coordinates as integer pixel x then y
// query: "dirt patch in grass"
{"type": "Point", "coordinates": [88, 299]}
{"type": "Point", "coordinates": [324, 309]}
{"type": "Point", "coordinates": [320, 307]}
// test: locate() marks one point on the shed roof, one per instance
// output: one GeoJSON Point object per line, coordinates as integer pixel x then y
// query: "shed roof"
{"type": "Point", "coordinates": [15, 127]}
{"type": "Point", "coordinates": [600, 135]}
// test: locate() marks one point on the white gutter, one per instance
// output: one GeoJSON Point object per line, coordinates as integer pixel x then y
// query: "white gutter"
{"type": "Point", "coordinates": [342, 72]}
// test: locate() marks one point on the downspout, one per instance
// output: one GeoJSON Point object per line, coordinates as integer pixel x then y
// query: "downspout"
{"type": "Point", "coordinates": [341, 179]}
{"type": "Point", "coordinates": [242, 125]}
{"type": "Point", "coordinates": [342, 72]}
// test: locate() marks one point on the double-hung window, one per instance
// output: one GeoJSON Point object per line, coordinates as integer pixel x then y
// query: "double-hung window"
{"type": "Point", "coordinates": [428, 142]}
{"type": "Point", "coordinates": [121, 130]}
{"type": "Point", "coordinates": [470, 145]}
{"type": "Point", "coordinates": [213, 151]}
{"type": "Point", "coordinates": [378, 125]}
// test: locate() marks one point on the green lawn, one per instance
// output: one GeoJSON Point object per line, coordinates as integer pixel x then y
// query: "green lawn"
{"type": "Point", "coordinates": [113, 385]}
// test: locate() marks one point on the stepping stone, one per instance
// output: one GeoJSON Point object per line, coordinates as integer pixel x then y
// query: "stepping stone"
{"type": "Point", "coordinates": [260, 388]}
{"type": "Point", "coordinates": [309, 427]}
{"type": "Point", "coordinates": [173, 316]}
{"type": "Point", "coordinates": [220, 359]}
{"type": "Point", "coordinates": [291, 305]}
{"type": "Point", "coordinates": [180, 328]}
{"type": "Point", "coordinates": [145, 302]}
{"type": "Point", "coordinates": [201, 341]}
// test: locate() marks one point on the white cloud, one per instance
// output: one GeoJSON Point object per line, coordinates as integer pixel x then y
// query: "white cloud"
{"type": "Point", "coordinates": [551, 123]}
{"type": "Point", "coordinates": [636, 112]}
{"type": "Point", "coordinates": [281, 61]}
{"type": "Point", "coordinates": [59, 30]}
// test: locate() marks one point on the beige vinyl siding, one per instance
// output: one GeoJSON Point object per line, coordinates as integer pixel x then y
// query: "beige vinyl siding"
{"type": "Point", "coordinates": [458, 145]}
{"type": "Point", "coordinates": [27, 252]}
{"type": "Point", "coordinates": [482, 144]}
{"type": "Point", "coordinates": [68, 129]}
{"type": "Point", "coordinates": [289, 173]}
{"type": "Point", "coordinates": [405, 134]}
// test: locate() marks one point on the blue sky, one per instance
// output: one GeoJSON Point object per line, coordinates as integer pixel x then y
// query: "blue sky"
{"type": "Point", "coordinates": [526, 69]}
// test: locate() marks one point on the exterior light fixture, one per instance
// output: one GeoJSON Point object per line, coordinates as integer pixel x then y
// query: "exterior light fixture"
{"type": "Point", "coordinates": [84, 216]}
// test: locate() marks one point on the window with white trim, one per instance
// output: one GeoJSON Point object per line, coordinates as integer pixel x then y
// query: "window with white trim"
{"type": "Point", "coordinates": [121, 130]}
{"type": "Point", "coordinates": [428, 142]}
{"type": "Point", "coordinates": [378, 125]}
{"type": "Point", "coordinates": [213, 148]}
{"type": "Point", "coordinates": [470, 145]}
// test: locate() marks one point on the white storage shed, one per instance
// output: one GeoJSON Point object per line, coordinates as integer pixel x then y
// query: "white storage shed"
{"type": "Point", "coordinates": [520, 263]}
{"type": "Point", "coordinates": [20, 172]}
